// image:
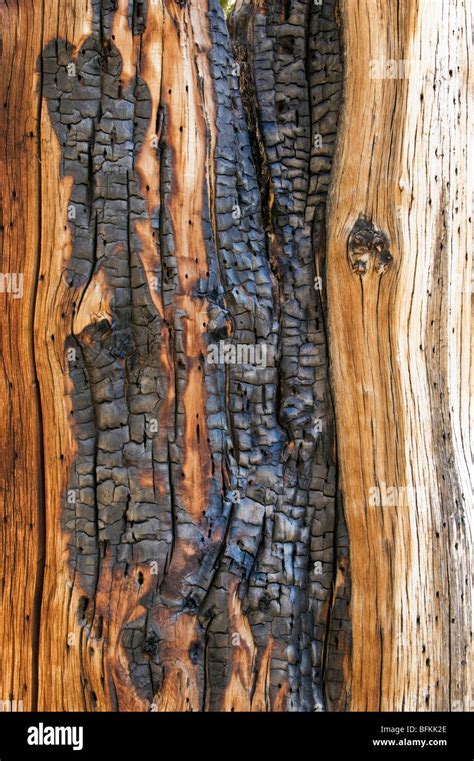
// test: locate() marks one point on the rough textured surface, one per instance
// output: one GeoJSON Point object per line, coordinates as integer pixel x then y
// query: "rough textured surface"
{"type": "Point", "coordinates": [176, 531]}
{"type": "Point", "coordinates": [199, 495]}
{"type": "Point", "coordinates": [21, 463]}
{"type": "Point", "coordinates": [290, 59]}
{"type": "Point", "coordinates": [399, 264]}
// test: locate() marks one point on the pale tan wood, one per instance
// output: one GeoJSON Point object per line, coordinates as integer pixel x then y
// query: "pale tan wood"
{"type": "Point", "coordinates": [61, 638]}
{"type": "Point", "coordinates": [400, 342]}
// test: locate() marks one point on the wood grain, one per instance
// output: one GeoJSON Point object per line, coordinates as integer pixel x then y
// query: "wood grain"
{"type": "Point", "coordinates": [21, 466]}
{"type": "Point", "coordinates": [180, 532]}
{"type": "Point", "coordinates": [399, 259]}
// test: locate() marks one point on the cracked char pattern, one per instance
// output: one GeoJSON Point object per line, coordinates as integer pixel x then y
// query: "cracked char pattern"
{"type": "Point", "coordinates": [291, 65]}
{"type": "Point", "coordinates": [200, 507]}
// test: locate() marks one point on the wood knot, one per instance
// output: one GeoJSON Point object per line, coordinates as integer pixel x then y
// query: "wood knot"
{"type": "Point", "coordinates": [368, 248]}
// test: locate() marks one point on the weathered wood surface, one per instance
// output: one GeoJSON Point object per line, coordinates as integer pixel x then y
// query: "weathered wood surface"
{"type": "Point", "coordinates": [399, 267]}
{"type": "Point", "coordinates": [177, 539]}
{"type": "Point", "coordinates": [21, 469]}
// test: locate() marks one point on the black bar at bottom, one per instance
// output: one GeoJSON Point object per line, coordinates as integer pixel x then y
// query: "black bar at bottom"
{"type": "Point", "coordinates": [126, 736]}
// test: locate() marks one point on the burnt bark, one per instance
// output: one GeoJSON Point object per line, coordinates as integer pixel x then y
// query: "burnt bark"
{"type": "Point", "coordinates": [198, 501]}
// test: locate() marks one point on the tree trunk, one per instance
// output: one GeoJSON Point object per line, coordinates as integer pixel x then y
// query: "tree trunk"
{"type": "Point", "coordinates": [177, 517]}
